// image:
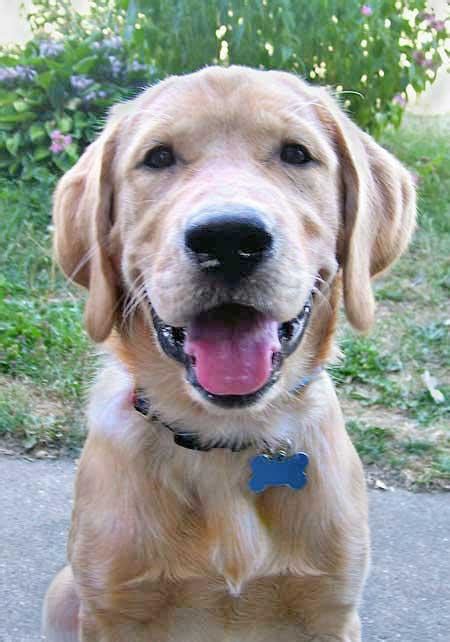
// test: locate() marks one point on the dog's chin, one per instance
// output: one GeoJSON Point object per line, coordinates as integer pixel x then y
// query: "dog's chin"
{"type": "Point", "coordinates": [232, 354]}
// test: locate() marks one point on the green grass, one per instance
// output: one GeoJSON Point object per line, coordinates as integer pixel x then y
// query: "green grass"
{"type": "Point", "coordinates": [44, 352]}
{"type": "Point", "coordinates": [394, 421]}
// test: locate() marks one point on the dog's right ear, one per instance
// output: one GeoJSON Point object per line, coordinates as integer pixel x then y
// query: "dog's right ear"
{"type": "Point", "coordinates": [82, 215]}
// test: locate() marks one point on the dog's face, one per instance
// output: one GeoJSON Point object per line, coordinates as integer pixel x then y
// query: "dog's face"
{"type": "Point", "coordinates": [217, 208]}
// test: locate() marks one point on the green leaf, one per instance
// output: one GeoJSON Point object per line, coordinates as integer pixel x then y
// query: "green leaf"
{"type": "Point", "coordinates": [72, 152]}
{"type": "Point", "coordinates": [41, 152]}
{"type": "Point", "coordinates": [13, 143]}
{"type": "Point", "coordinates": [85, 65]}
{"type": "Point", "coordinates": [49, 126]}
{"type": "Point", "coordinates": [45, 79]}
{"type": "Point", "coordinates": [17, 118]}
{"type": "Point", "coordinates": [7, 100]}
{"type": "Point", "coordinates": [20, 105]}
{"type": "Point", "coordinates": [29, 442]}
{"type": "Point", "coordinates": [36, 132]}
{"type": "Point", "coordinates": [64, 124]}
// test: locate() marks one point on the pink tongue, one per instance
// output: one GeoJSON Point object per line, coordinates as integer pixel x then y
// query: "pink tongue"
{"type": "Point", "coordinates": [232, 355]}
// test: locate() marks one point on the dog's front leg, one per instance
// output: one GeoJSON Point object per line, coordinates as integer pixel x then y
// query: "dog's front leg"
{"type": "Point", "coordinates": [60, 617]}
{"type": "Point", "coordinates": [354, 633]}
{"type": "Point", "coordinates": [98, 629]}
{"type": "Point", "coordinates": [351, 632]}
{"type": "Point", "coordinates": [124, 616]}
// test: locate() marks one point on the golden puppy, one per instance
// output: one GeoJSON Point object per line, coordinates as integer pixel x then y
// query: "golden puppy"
{"type": "Point", "coordinates": [218, 497]}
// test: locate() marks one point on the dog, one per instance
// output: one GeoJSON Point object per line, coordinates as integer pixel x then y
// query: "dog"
{"type": "Point", "coordinates": [215, 222]}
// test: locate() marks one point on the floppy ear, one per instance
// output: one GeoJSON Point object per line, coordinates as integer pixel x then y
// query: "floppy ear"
{"type": "Point", "coordinates": [379, 211]}
{"type": "Point", "coordinates": [82, 218]}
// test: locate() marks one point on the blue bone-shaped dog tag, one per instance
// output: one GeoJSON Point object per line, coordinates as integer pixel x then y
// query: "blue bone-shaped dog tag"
{"type": "Point", "coordinates": [278, 471]}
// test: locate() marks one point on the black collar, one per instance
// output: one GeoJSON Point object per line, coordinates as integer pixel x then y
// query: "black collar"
{"type": "Point", "coordinates": [181, 438]}
{"type": "Point", "coordinates": [191, 440]}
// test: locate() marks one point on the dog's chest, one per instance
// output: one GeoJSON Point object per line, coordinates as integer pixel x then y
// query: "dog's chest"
{"type": "Point", "coordinates": [238, 542]}
{"type": "Point", "coordinates": [241, 533]}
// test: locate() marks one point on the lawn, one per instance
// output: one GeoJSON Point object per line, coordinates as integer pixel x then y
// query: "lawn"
{"type": "Point", "coordinates": [394, 384]}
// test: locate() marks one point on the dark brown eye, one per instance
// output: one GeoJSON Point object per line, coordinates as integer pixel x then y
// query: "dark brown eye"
{"type": "Point", "coordinates": [295, 154]}
{"type": "Point", "coordinates": [159, 157]}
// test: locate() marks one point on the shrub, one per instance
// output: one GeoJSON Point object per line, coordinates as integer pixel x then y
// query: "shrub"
{"type": "Point", "coordinates": [369, 52]}
{"type": "Point", "coordinates": [54, 91]}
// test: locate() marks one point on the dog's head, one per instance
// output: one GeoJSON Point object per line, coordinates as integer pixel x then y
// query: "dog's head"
{"type": "Point", "coordinates": [209, 221]}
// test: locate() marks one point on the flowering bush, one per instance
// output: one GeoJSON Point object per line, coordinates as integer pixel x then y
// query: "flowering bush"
{"type": "Point", "coordinates": [369, 52]}
{"type": "Point", "coordinates": [56, 89]}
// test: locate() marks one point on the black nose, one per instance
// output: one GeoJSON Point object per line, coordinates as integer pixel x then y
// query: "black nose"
{"type": "Point", "coordinates": [229, 242]}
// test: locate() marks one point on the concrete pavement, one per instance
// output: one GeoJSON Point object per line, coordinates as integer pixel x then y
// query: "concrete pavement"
{"type": "Point", "coordinates": [407, 598]}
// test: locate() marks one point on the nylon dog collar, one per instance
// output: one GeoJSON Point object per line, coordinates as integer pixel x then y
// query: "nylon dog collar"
{"type": "Point", "coordinates": [190, 440]}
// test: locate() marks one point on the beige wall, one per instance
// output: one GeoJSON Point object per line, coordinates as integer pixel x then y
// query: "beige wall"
{"type": "Point", "coordinates": [13, 27]}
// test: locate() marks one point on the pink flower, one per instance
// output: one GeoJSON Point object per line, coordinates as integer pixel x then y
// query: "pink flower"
{"type": "Point", "coordinates": [419, 58]}
{"type": "Point", "coordinates": [423, 15]}
{"type": "Point", "coordinates": [415, 178]}
{"type": "Point", "coordinates": [59, 141]}
{"type": "Point", "coordinates": [439, 25]}
{"type": "Point", "coordinates": [56, 147]}
{"type": "Point", "coordinates": [366, 10]}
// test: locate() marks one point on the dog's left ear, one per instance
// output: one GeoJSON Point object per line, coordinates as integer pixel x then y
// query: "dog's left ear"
{"type": "Point", "coordinates": [379, 210]}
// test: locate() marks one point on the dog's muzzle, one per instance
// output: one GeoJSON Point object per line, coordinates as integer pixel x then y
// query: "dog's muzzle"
{"type": "Point", "coordinates": [232, 353]}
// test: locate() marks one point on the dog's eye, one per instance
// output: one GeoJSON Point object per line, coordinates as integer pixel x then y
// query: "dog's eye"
{"type": "Point", "coordinates": [159, 157]}
{"type": "Point", "coordinates": [295, 154]}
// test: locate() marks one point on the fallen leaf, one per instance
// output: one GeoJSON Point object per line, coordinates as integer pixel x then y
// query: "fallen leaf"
{"type": "Point", "coordinates": [431, 384]}
{"type": "Point", "coordinates": [5, 451]}
{"type": "Point", "coordinates": [41, 454]}
{"type": "Point", "coordinates": [381, 485]}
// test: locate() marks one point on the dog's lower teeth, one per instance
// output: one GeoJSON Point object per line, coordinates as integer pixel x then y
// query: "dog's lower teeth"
{"type": "Point", "coordinates": [178, 335]}
{"type": "Point", "coordinates": [288, 330]}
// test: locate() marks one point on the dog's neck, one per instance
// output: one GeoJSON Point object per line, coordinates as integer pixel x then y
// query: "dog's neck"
{"type": "Point", "coordinates": [186, 438]}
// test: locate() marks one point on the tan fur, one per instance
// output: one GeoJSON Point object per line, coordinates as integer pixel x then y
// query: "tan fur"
{"type": "Point", "coordinates": [167, 544]}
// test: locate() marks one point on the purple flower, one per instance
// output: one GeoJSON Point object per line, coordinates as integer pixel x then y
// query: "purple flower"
{"type": "Point", "coordinates": [59, 141]}
{"type": "Point", "coordinates": [18, 73]}
{"type": "Point", "coordinates": [137, 66]}
{"type": "Point", "coordinates": [7, 73]}
{"type": "Point", "coordinates": [50, 49]}
{"type": "Point", "coordinates": [366, 10]}
{"type": "Point", "coordinates": [25, 73]}
{"type": "Point", "coordinates": [116, 65]}
{"type": "Point", "coordinates": [399, 100]}
{"type": "Point", "coordinates": [94, 95]}
{"type": "Point", "coordinates": [90, 96]}
{"type": "Point", "coordinates": [81, 82]}
{"type": "Point", "coordinates": [115, 42]}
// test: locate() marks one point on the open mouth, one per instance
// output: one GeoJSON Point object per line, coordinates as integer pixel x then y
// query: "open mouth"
{"type": "Point", "coordinates": [232, 353]}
